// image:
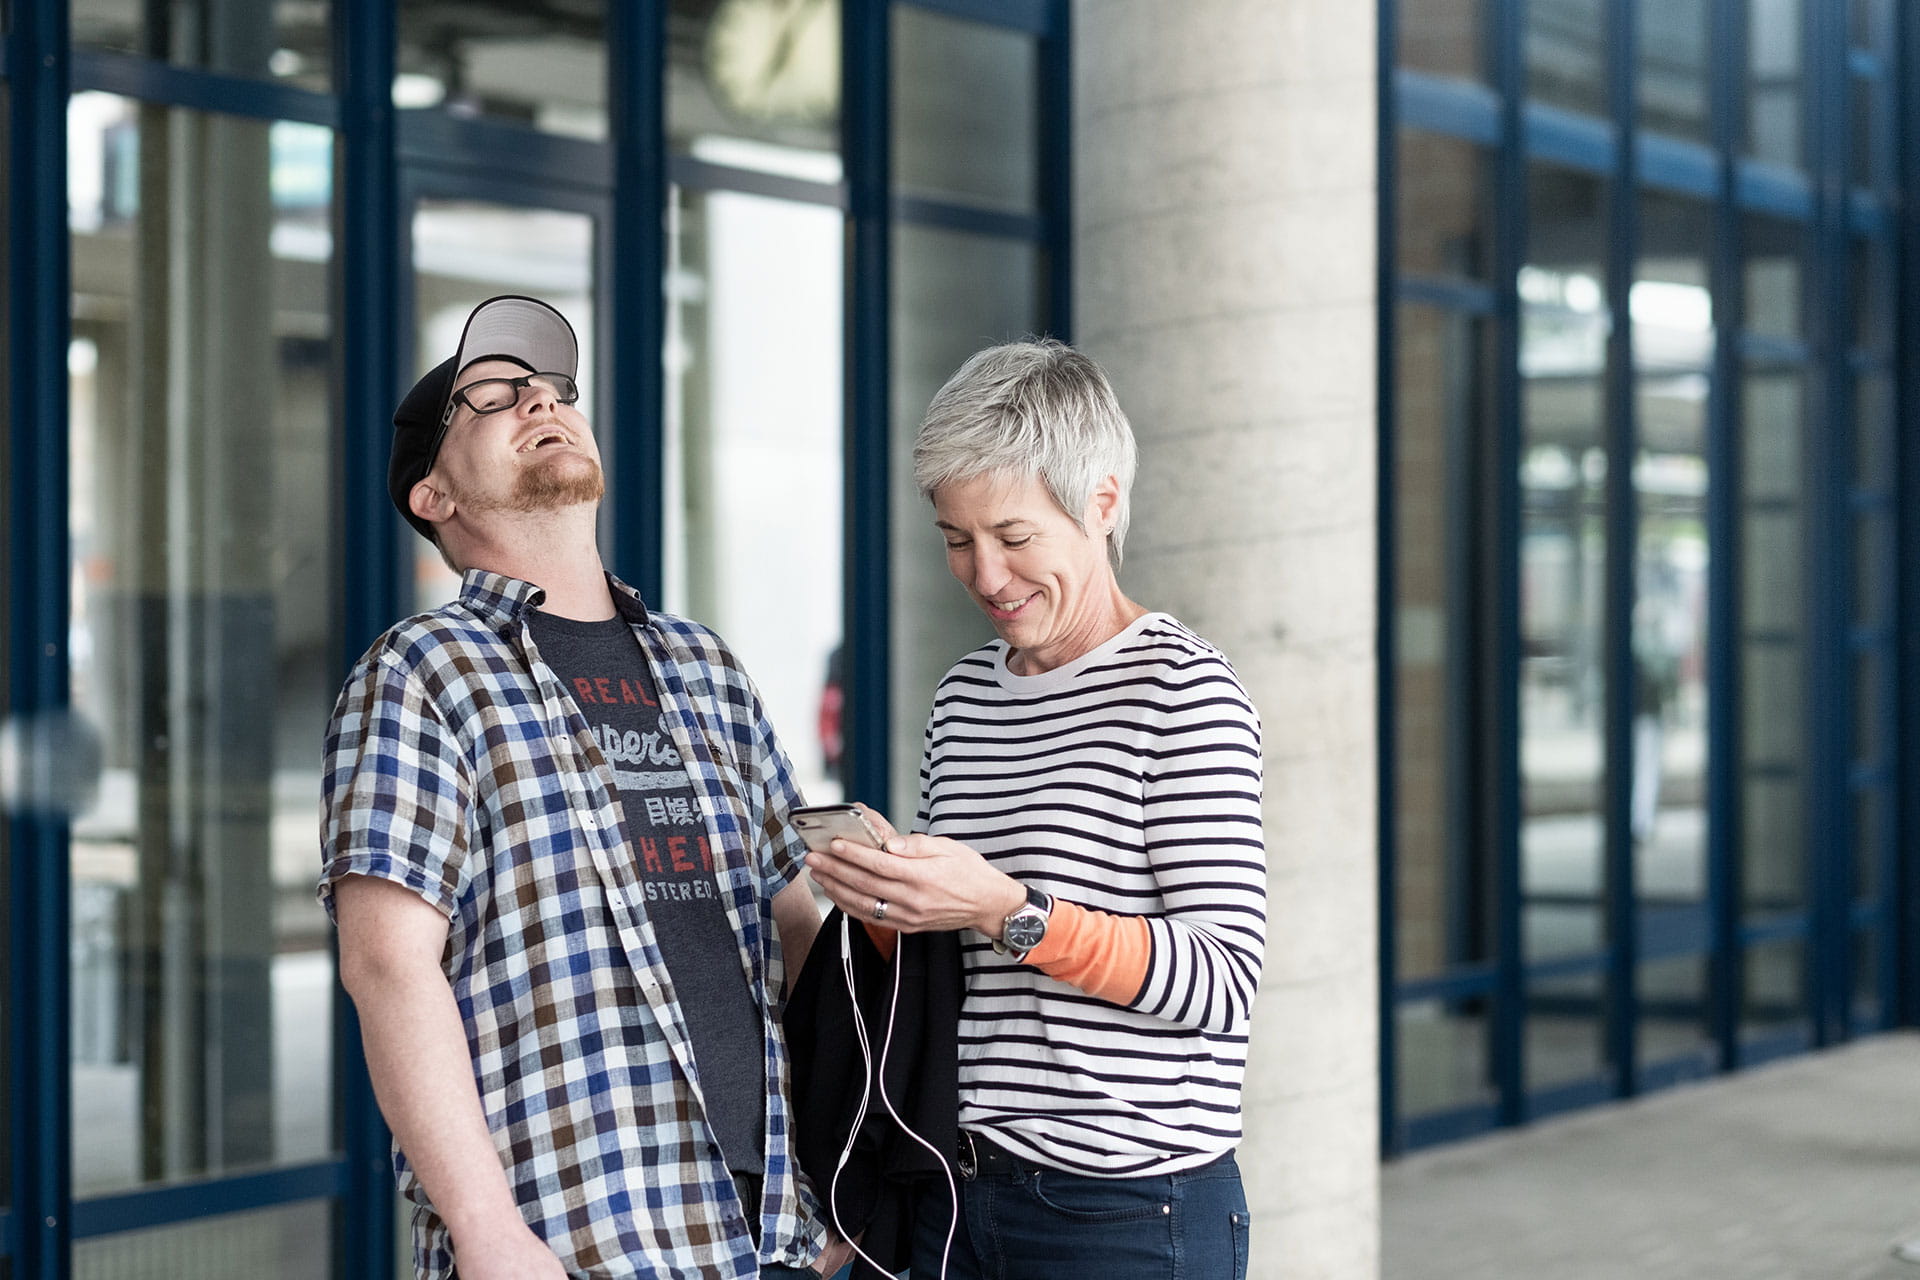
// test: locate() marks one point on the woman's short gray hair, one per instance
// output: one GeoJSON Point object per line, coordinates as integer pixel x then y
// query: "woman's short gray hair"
{"type": "Point", "coordinates": [1032, 408]}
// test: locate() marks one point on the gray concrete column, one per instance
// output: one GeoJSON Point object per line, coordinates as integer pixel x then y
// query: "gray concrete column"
{"type": "Point", "coordinates": [1224, 221]}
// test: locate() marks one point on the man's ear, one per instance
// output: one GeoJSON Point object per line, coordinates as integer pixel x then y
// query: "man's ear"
{"type": "Point", "coordinates": [428, 500]}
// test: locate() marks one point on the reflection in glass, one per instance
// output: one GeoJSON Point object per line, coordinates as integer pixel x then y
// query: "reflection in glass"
{"type": "Point", "coordinates": [1563, 1040]}
{"type": "Point", "coordinates": [1442, 414]}
{"type": "Point", "coordinates": [200, 638]}
{"type": "Point", "coordinates": [1565, 319]}
{"type": "Point", "coordinates": [953, 293]}
{"type": "Point", "coordinates": [1676, 80]}
{"type": "Point", "coordinates": [1866, 23]}
{"type": "Point", "coordinates": [1871, 157]}
{"type": "Point", "coordinates": [1774, 990]}
{"type": "Point", "coordinates": [1673, 347]}
{"type": "Point", "coordinates": [291, 1242]}
{"type": "Point", "coordinates": [1775, 254]}
{"type": "Point", "coordinates": [1774, 880]}
{"type": "Point", "coordinates": [1875, 289]}
{"type": "Point", "coordinates": [965, 110]}
{"type": "Point", "coordinates": [1872, 814]}
{"type": "Point", "coordinates": [1875, 444]}
{"type": "Point", "coordinates": [1443, 225]}
{"type": "Point", "coordinates": [753, 452]}
{"type": "Point", "coordinates": [1874, 549]}
{"type": "Point", "coordinates": [1566, 54]}
{"type": "Point", "coordinates": [539, 63]}
{"type": "Point", "coordinates": [1870, 709]}
{"type": "Point", "coordinates": [1441, 1055]}
{"type": "Point", "coordinates": [465, 252]}
{"type": "Point", "coordinates": [1772, 644]}
{"type": "Point", "coordinates": [1672, 993]}
{"type": "Point", "coordinates": [288, 41]}
{"type": "Point", "coordinates": [1867, 985]}
{"type": "Point", "coordinates": [1444, 37]}
{"type": "Point", "coordinates": [1774, 81]}
{"type": "Point", "coordinates": [756, 85]}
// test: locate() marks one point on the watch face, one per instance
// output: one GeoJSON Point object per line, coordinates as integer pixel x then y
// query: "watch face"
{"type": "Point", "coordinates": [1024, 929]}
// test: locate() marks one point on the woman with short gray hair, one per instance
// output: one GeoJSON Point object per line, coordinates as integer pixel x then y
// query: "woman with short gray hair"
{"type": "Point", "coordinates": [1090, 819]}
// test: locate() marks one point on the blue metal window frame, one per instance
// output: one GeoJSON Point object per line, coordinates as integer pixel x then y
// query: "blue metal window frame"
{"type": "Point", "coordinates": [874, 208]}
{"type": "Point", "coordinates": [39, 1094]}
{"type": "Point", "coordinates": [1905, 880]}
{"type": "Point", "coordinates": [1516, 134]}
{"type": "Point", "coordinates": [367, 288]}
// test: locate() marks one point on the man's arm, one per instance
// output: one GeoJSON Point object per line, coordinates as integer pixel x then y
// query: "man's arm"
{"type": "Point", "coordinates": [416, 1046]}
{"type": "Point", "coordinates": [798, 921]}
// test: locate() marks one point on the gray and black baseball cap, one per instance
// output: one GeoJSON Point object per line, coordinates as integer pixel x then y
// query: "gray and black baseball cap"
{"type": "Point", "coordinates": [524, 330]}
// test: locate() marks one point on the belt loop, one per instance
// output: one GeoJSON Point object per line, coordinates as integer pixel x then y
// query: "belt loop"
{"type": "Point", "coordinates": [969, 1157]}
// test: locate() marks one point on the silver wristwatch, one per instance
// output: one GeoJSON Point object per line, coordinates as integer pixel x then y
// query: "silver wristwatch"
{"type": "Point", "coordinates": [1022, 931]}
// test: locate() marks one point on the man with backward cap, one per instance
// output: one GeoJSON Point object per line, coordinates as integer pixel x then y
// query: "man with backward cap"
{"type": "Point", "coordinates": [555, 844]}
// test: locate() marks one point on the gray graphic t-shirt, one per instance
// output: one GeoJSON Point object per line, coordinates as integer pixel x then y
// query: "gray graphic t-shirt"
{"type": "Point", "coordinates": [601, 665]}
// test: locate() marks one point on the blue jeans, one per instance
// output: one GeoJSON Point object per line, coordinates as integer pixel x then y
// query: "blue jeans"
{"type": "Point", "coordinates": [1023, 1221]}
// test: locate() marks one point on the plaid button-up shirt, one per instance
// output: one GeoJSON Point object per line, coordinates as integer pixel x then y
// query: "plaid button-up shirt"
{"type": "Point", "coordinates": [458, 766]}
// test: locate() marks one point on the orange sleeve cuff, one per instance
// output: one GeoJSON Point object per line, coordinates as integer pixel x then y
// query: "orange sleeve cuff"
{"type": "Point", "coordinates": [1104, 955]}
{"type": "Point", "coordinates": [883, 938]}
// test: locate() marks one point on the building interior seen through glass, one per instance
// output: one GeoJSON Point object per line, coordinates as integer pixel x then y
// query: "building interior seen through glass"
{"type": "Point", "coordinates": [1691, 358]}
{"type": "Point", "coordinates": [286, 41]}
{"type": "Point", "coordinates": [1565, 319]}
{"type": "Point", "coordinates": [965, 111]}
{"type": "Point", "coordinates": [752, 452]}
{"type": "Point", "coordinates": [752, 442]}
{"type": "Point", "coordinates": [1674, 335]}
{"type": "Point", "coordinates": [538, 63]}
{"type": "Point", "coordinates": [1444, 866]}
{"type": "Point", "coordinates": [287, 1242]}
{"type": "Point", "coordinates": [234, 192]}
{"type": "Point", "coordinates": [200, 643]}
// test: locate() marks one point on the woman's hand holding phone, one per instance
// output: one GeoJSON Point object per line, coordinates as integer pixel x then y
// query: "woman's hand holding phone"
{"type": "Point", "coordinates": [913, 883]}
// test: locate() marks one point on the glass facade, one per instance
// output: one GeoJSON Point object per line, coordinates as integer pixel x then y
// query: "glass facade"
{"type": "Point", "coordinates": [1641, 817]}
{"type": "Point", "coordinates": [967, 139]}
{"type": "Point", "coordinates": [542, 65]}
{"type": "Point", "coordinates": [281, 41]}
{"type": "Point", "coordinates": [218, 189]}
{"type": "Point", "coordinates": [198, 639]}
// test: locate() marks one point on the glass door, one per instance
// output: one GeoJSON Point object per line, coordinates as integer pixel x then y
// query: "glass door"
{"type": "Point", "coordinates": [199, 635]}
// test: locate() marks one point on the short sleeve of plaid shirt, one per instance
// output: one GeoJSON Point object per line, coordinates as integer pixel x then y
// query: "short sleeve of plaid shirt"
{"type": "Point", "coordinates": [398, 785]}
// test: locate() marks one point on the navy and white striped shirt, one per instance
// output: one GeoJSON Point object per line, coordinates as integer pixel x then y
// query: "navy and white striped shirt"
{"type": "Point", "coordinates": [1127, 781]}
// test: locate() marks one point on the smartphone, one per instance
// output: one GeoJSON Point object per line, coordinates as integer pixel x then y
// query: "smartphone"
{"type": "Point", "coordinates": [821, 824]}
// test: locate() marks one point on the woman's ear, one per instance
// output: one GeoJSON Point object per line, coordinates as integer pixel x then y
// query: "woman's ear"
{"type": "Point", "coordinates": [1103, 508]}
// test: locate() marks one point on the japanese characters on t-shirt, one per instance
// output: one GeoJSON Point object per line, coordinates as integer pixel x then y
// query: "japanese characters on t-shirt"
{"type": "Point", "coordinates": [601, 665]}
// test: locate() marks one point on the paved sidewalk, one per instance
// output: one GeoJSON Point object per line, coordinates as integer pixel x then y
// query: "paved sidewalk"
{"type": "Point", "coordinates": [1806, 1169]}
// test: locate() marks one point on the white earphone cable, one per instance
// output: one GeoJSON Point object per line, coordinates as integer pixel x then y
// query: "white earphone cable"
{"type": "Point", "coordinates": [867, 1078]}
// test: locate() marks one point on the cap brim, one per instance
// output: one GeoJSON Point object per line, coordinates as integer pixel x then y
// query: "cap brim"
{"type": "Point", "coordinates": [526, 330]}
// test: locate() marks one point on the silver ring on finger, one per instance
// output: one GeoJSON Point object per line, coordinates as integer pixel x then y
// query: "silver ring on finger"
{"type": "Point", "coordinates": [879, 908]}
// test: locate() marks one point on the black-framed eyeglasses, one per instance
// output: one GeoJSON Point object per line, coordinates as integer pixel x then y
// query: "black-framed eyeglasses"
{"type": "Point", "coordinates": [492, 395]}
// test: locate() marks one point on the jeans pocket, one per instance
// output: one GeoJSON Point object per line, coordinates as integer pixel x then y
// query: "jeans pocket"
{"type": "Point", "coordinates": [1094, 1201]}
{"type": "Point", "coordinates": [1240, 1223]}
